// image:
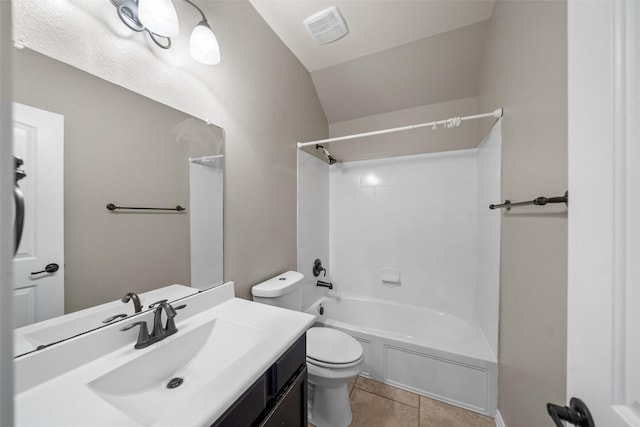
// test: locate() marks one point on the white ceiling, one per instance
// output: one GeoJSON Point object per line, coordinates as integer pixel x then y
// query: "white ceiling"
{"type": "Point", "coordinates": [398, 54]}
{"type": "Point", "coordinates": [374, 25]}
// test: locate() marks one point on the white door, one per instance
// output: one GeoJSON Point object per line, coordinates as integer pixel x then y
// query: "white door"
{"type": "Point", "coordinates": [603, 352]}
{"type": "Point", "coordinates": [39, 141]}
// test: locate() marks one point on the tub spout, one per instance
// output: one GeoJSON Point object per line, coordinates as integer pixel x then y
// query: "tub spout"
{"type": "Point", "coordinates": [324, 284]}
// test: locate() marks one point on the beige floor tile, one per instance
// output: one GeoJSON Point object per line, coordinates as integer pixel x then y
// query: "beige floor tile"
{"type": "Point", "coordinates": [371, 410]}
{"type": "Point", "coordinates": [388, 391]}
{"type": "Point", "coordinates": [350, 385]}
{"type": "Point", "coordinates": [434, 413]}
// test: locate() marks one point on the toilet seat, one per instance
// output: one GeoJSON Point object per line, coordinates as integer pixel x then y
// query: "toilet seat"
{"type": "Point", "coordinates": [331, 348]}
{"type": "Point", "coordinates": [322, 364]}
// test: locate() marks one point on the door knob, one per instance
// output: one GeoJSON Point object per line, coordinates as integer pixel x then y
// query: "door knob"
{"type": "Point", "coordinates": [50, 268]}
{"type": "Point", "coordinates": [576, 413]}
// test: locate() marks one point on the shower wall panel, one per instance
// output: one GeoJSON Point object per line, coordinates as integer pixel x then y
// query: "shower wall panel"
{"type": "Point", "coordinates": [416, 215]}
{"type": "Point", "coordinates": [313, 222]}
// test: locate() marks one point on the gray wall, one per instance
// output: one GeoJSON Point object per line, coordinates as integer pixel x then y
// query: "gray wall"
{"type": "Point", "coordinates": [525, 71]}
{"type": "Point", "coordinates": [271, 104]}
{"type": "Point", "coordinates": [121, 148]}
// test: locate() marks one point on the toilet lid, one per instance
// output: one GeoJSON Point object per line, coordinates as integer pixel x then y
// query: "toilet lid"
{"type": "Point", "coordinates": [332, 346]}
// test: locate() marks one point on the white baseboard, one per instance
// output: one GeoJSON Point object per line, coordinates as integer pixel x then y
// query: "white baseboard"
{"type": "Point", "coordinates": [499, 420]}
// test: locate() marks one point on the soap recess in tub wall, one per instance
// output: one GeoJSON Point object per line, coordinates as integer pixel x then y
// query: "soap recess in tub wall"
{"type": "Point", "coordinates": [390, 277]}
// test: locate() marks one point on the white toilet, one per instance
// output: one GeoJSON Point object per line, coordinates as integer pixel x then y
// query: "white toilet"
{"type": "Point", "coordinates": [333, 357]}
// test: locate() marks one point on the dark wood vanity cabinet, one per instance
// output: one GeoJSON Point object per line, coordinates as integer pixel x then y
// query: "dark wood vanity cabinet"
{"type": "Point", "coordinates": [277, 398]}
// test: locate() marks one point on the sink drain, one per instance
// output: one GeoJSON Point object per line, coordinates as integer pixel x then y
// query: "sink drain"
{"type": "Point", "coordinates": [175, 382]}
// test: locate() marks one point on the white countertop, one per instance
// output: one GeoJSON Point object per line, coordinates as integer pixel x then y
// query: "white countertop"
{"type": "Point", "coordinates": [52, 384]}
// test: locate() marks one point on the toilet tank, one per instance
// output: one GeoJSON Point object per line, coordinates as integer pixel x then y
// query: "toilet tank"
{"type": "Point", "coordinates": [284, 290]}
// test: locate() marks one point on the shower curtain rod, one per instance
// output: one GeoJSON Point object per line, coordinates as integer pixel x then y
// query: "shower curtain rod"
{"type": "Point", "coordinates": [448, 123]}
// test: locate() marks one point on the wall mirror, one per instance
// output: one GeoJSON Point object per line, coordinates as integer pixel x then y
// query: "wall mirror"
{"type": "Point", "coordinates": [117, 147]}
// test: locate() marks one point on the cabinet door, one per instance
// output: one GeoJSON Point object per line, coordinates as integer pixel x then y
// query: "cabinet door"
{"type": "Point", "coordinates": [287, 366]}
{"type": "Point", "coordinates": [246, 410]}
{"type": "Point", "coordinates": [291, 409]}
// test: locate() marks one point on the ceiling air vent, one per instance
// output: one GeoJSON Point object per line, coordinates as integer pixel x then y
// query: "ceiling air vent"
{"type": "Point", "coordinates": [327, 26]}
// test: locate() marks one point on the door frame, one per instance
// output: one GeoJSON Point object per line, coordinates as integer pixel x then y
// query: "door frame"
{"type": "Point", "coordinates": [6, 226]}
{"type": "Point", "coordinates": [604, 216]}
{"type": "Point", "coordinates": [44, 207]}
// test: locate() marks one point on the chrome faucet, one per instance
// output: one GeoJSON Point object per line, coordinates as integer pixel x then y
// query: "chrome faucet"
{"type": "Point", "coordinates": [159, 332]}
{"type": "Point", "coordinates": [132, 296]}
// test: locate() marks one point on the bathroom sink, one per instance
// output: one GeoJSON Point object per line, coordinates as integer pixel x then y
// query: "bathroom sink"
{"type": "Point", "coordinates": [223, 345]}
{"type": "Point", "coordinates": [191, 358]}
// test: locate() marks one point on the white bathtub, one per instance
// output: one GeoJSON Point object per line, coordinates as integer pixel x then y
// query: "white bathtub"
{"type": "Point", "coordinates": [435, 354]}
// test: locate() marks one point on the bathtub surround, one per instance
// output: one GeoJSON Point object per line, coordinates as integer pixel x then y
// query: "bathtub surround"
{"type": "Point", "coordinates": [525, 71]}
{"type": "Point", "coordinates": [414, 214]}
{"type": "Point", "coordinates": [426, 217]}
{"type": "Point", "coordinates": [488, 237]}
{"type": "Point", "coordinates": [313, 223]}
{"type": "Point", "coordinates": [406, 237]}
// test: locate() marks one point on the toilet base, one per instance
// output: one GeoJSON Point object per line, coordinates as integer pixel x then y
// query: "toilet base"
{"type": "Point", "coordinates": [329, 406]}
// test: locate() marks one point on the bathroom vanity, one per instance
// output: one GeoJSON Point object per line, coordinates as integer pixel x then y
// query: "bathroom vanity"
{"type": "Point", "coordinates": [231, 363]}
{"type": "Point", "coordinates": [277, 398]}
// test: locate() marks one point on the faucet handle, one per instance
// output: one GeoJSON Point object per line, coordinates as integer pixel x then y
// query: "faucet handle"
{"type": "Point", "coordinates": [318, 268]}
{"type": "Point", "coordinates": [112, 318]}
{"type": "Point", "coordinates": [170, 327]}
{"type": "Point", "coordinates": [157, 303]}
{"type": "Point", "coordinates": [143, 333]}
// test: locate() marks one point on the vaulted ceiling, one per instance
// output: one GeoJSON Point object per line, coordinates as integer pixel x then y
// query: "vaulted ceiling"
{"type": "Point", "coordinates": [397, 55]}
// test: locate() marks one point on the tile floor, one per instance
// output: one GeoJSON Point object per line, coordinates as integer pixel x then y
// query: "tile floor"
{"type": "Point", "coordinates": [379, 405]}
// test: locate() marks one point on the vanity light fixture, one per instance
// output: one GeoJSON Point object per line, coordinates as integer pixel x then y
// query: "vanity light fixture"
{"type": "Point", "coordinates": [160, 20]}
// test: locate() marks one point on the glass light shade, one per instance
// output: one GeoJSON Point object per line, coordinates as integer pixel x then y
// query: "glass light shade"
{"type": "Point", "coordinates": [159, 17]}
{"type": "Point", "coordinates": [203, 45]}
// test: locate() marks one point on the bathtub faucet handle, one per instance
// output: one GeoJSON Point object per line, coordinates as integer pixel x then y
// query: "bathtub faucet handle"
{"type": "Point", "coordinates": [317, 268]}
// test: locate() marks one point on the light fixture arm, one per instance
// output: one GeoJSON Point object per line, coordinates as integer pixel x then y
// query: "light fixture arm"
{"type": "Point", "coordinates": [204, 18]}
